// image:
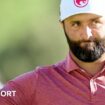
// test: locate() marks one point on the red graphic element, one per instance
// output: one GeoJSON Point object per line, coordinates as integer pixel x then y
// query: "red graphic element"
{"type": "Point", "coordinates": [81, 3]}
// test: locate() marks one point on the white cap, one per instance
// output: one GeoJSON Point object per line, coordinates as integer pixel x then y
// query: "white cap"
{"type": "Point", "coordinates": [73, 7]}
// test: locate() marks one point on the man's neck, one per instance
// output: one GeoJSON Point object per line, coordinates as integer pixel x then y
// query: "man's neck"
{"type": "Point", "coordinates": [91, 68]}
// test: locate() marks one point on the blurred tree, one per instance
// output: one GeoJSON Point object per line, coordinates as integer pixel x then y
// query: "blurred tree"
{"type": "Point", "coordinates": [30, 35]}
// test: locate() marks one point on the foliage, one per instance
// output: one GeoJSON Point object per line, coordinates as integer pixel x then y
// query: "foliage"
{"type": "Point", "coordinates": [30, 35]}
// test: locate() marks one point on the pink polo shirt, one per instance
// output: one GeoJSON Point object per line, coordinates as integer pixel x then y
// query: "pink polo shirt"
{"type": "Point", "coordinates": [60, 84]}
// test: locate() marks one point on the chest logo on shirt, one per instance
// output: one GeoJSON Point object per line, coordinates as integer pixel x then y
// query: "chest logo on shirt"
{"type": "Point", "coordinates": [81, 3]}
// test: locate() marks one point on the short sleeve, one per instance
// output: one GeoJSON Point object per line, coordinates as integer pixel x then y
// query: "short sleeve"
{"type": "Point", "coordinates": [19, 91]}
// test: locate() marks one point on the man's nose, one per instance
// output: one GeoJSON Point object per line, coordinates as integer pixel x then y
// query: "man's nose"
{"type": "Point", "coordinates": [87, 33]}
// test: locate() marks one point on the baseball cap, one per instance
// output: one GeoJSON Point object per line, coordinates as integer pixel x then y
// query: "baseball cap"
{"type": "Point", "coordinates": [72, 7]}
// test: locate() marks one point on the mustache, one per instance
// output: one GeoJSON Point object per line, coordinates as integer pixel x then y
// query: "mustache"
{"type": "Point", "coordinates": [88, 41]}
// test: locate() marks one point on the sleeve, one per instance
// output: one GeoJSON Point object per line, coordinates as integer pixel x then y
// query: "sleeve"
{"type": "Point", "coordinates": [19, 91]}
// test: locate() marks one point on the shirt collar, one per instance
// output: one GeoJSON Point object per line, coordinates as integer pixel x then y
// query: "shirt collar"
{"type": "Point", "coordinates": [70, 64]}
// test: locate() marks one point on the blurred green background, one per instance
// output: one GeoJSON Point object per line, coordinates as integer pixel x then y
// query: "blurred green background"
{"type": "Point", "coordinates": [30, 35]}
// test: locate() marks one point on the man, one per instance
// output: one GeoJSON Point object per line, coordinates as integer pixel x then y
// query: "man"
{"type": "Point", "coordinates": [80, 78]}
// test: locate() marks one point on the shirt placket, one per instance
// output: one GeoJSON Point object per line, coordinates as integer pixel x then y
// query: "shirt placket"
{"type": "Point", "coordinates": [97, 89]}
{"type": "Point", "coordinates": [93, 86]}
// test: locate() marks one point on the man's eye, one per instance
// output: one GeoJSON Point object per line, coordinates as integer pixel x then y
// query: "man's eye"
{"type": "Point", "coordinates": [96, 23]}
{"type": "Point", "coordinates": [76, 24]}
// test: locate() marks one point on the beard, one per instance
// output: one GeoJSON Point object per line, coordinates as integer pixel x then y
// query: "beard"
{"type": "Point", "coordinates": [87, 51]}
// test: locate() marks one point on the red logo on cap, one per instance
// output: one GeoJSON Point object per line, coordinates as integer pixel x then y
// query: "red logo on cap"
{"type": "Point", "coordinates": [81, 3]}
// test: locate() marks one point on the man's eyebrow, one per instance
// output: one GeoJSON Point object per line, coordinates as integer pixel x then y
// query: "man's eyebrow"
{"type": "Point", "coordinates": [95, 18]}
{"type": "Point", "coordinates": [75, 21]}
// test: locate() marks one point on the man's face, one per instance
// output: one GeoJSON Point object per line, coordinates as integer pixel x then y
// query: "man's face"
{"type": "Point", "coordinates": [85, 34]}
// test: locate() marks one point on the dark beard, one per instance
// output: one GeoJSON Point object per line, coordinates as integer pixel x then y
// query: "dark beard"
{"type": "Point", "coordinates": [86, 54]}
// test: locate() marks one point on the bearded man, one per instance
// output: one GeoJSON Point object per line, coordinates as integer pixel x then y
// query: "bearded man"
{"type": "Point", "coordinates": [80, 78]}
